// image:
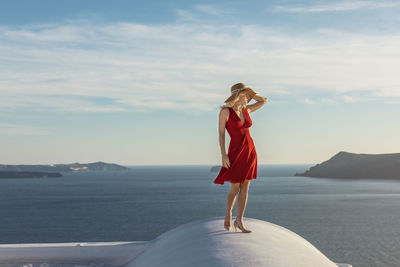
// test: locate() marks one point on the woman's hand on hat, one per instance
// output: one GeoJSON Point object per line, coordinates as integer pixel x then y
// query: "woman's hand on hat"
{"type": "Point", "coordinates": [260, 98]}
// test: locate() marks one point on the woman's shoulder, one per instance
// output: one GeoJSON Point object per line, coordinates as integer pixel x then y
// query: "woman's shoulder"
{"type": "Point", "coordinates": [224, 112]}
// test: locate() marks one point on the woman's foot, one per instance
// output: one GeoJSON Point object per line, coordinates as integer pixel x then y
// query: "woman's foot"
{"type": "Point", "coordinates": [227, 223]}
{"type": "Point", "coordinates": [238, 223]}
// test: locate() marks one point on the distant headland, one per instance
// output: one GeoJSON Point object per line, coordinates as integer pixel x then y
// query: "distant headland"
{"type": "Point", "coordinates": [35, 171]}
{"type": "Point", "coordinates": [357, 166]}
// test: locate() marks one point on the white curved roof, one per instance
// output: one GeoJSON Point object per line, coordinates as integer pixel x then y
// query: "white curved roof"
{"type": "Point", "coordinates": [207, 243]}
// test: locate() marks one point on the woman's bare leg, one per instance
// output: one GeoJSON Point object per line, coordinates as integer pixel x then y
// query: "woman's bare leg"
{"type": "Point", "coordinates": [242, 199]}
{"type": "Point", "coordinates": [230, 201]}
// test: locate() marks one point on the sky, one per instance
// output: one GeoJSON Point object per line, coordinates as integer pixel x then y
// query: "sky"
{"type": "Point", "coordinates": [140, 83]}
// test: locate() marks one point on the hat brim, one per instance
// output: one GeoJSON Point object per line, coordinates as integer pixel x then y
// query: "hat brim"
{"type": "Point", "coordinates": [250, 93]}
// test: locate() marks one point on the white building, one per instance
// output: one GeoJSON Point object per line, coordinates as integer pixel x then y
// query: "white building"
{"type": "Point", "coordinates": [198, 243]}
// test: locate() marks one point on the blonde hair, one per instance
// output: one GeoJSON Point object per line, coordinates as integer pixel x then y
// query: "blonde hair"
{"type": "Point", "coordinates": [231, 103]}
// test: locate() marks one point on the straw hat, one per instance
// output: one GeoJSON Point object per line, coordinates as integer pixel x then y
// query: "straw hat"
{"type": "Point", "coordinates": [238, 89]}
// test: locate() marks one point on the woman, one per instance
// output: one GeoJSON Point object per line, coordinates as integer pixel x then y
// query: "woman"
{"type": "Point", "coordinates": [239, 166]}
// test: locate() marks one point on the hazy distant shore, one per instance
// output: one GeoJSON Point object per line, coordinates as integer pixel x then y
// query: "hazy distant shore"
{"type": "Point", "coordinates": [95, 166]}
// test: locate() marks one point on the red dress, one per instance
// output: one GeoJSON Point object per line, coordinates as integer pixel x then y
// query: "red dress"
{"type": "Point", "coordinates": [241, 152]}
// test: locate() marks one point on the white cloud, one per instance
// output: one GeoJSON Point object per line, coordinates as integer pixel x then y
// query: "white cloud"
{"type": "Point", "coordinates": [185, 15]}
{"type": "Point", "coordinates": [349, 99]}
{"type": "Point", "coordinates": [337, 6]}
{"type": "Point", "coordinates": [308, 101]}
{"type": "Point", "coordinates": [17, 129]}
{"type": "Point", "coordinates": [209, 9]}
{"type": "Point", "coordinates": [187, 66]}
{"type": "Point", "coordinates": [388, 91]}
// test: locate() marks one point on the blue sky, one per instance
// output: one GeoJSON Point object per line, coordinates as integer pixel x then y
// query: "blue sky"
{"type": "Point", "coordinates": [140, 83]}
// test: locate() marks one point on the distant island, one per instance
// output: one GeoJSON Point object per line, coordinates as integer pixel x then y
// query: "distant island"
{"type": "Point", "coordinates": [72, 167]}
{"type": "Point", "coordinates": [23, 174]}
{"type": "Point", "coordinates": [357, 166]}
{"type": "Point", "coordinates": [215, 168]}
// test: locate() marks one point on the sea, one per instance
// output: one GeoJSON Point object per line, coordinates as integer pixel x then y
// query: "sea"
{"type": "Point", "coordinates": [355, 221]}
